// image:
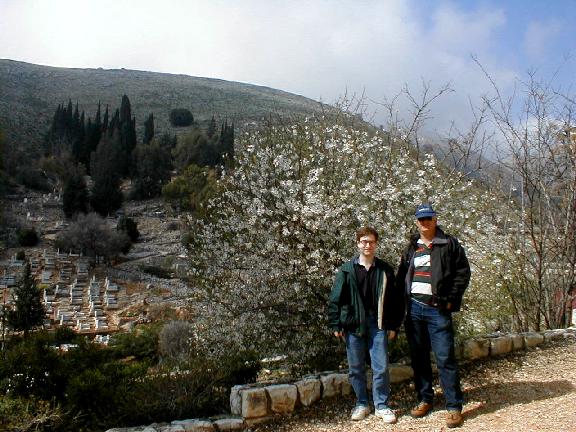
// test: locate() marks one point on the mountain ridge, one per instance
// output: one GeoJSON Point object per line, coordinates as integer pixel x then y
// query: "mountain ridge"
{"type": "Point", "coordinates": [30, 94]}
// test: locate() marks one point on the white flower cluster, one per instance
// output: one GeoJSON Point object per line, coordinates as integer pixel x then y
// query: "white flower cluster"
{"type": "Point", "coordinates": [265, 260]}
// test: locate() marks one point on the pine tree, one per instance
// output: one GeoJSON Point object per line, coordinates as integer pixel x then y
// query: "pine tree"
{"type": "Point", "coordinates": [28, 312]}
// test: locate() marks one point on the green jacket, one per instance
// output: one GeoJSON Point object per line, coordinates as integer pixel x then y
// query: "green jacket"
{"type": "Point", "coordinates": [346, 310]}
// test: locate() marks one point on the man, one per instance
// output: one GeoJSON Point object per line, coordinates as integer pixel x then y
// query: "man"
{"type": "Point", "coordinates": [434, 273]}
{"type": "Point", "coordinates": [366, 309]}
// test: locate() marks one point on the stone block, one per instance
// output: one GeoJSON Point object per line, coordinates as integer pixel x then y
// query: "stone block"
{"type": "Point", "coordinates": [332, 384]}
{"type": "Point", "coordinates": [556, 334]}
{"type": "Point", "coordinates": [475, 349]}
{"type": "Point", "coordinates": [500, 345]}
{"type": "Point", "coordinates": [229, 424]}
{"type": "Point", "coordinates": [254, 403]}
{"type": "Point", "coordinates": [344, 383]}
{"type": "Point", "coordinates": [517, 342]}
{"type": "Point", "coordinates": [309, 391]}
{"type": "Point", "coordinates": [171, 428]}
{"type": "Point", "coordinates": [533, 339]}
{"type": "Point", "coordinates": [400, 373]}
{"type": "Point", "coordinates": [249, 422]}
{"type": "Point", "coordinates": [282, 398]}
{"type": "Point", "coordinates": [195, 425]}
{"type": "Point", "coordinates": [236, 399]}
{"type": "Point", "coordinates": [126, 429]}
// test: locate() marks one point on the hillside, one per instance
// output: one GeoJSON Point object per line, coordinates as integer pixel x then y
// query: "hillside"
{"type": "Point", "coordinates": [29, 95]}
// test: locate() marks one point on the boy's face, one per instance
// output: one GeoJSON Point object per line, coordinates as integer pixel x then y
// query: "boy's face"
{"type": "Point", "coordinates": [367, 245]}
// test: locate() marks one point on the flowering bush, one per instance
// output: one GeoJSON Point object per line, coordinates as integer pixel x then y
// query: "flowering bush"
{"type": "Point", "coordinates": [264, 259]}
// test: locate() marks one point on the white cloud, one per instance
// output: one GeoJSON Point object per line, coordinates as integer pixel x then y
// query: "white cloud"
{"type": "Point", "coordinates": [319, 49]}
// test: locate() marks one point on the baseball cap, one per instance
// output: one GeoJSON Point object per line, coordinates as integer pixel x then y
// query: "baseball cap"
{"type": "Point", "coordinates": [424, 210]}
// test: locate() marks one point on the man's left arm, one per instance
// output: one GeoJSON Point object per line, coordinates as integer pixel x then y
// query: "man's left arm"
{"type": "Point", "coordinates": [461, 276]}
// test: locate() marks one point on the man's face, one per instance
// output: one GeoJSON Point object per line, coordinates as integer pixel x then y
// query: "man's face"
{"type": "Point", "coordinates": [367, 245]}
{"type": "Point", "coordinates": [426, 225]}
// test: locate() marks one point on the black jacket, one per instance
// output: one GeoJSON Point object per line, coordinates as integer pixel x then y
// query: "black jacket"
{"type": "Point", "coordinates": [345, 307]}
{"type": "Point", "coordinates": [449, 267]}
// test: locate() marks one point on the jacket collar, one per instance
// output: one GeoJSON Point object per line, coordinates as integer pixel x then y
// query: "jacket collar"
{"type": "Point", "coordinates": [349, 266]}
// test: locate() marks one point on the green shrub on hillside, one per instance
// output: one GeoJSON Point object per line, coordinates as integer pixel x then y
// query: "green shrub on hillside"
{"type": "Point", "coordinates": [20, 414]}
{"type": "Point", "coordinates": [181, 117]}
{"type": "Point", "coordinates": [28, 237]}
{"type": "Point", "coordinates": [93, 387]}
{"type": "Point", "coordinates": [141, 343]}
{"type": "Point", "coordinates": [157, 271]}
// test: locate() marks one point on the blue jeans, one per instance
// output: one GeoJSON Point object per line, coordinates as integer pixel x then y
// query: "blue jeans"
{"type": "Point", "coordinates": [376, 342]}
{"type": "Point", "coordinates": [429, 328]}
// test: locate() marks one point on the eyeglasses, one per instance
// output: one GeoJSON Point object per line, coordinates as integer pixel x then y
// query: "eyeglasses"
{"type": "Point", "coordinates": [425, 218]}
{"type": "Point", "coordinates": [368, 242]}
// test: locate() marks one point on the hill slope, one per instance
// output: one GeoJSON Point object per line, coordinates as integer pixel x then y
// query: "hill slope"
{"type": "Point", "coordinates": [29, 95]}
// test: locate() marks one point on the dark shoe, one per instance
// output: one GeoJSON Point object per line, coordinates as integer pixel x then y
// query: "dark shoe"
{"type": "Point", "coordinates": [454, 419]}
{"type": "Point", "coordinates": [421, 409]}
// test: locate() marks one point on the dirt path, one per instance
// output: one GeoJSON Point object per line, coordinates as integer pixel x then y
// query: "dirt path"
{"type": "Point", "coordinates": [525, 392]}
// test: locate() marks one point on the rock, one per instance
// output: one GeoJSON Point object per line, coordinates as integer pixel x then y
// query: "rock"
{"type": "Point", "coordinates": [475, 349]}
{"type": "Point", "coordinates": [309, 391]}
{"type": "Point", "coordinates": [500, 345]}
{"type": "Point", "coordinates": [517, 342]}
{"type": "Point", "coordinates": [533, 339]}
{"type": "Point", "coordinates": [229, 424]}
{"type": "Point", "coordinates": [400, 373]}
{"type": "Point", "coordinates": [550, 335]}
{"type": "Point", "coordinates": [332, 384]}
{"type": "Point", "coordinates": [236, 399]}
{"type": "Point", "coordinates": [195, 425]}
{"type": "Point", "coordinates": [282, 398]}
{"type": "Point", "coordinates": [254, 403]}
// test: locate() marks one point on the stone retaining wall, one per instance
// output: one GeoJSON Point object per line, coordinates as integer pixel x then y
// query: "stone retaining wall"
{"type": "Point", "coordinates": [253, 404]}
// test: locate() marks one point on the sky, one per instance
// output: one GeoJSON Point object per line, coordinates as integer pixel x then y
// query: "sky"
{"type": "Point", "coordinates": [321, 49]}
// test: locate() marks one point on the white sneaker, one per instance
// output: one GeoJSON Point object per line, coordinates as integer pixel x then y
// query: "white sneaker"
{"type": "Point", "coordinates": [386, 414]}
{"type": "Point", "coordinates": [360, 412]}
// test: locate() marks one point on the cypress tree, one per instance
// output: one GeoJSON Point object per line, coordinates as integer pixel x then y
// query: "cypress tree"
{"type": "Point", "coordinates": [105, 120]}
{"type": "Point", "coordinates": [68, 121]}
{"type": "Point", "coordinates": [211, 131]}
{"type": "Point", "coordinates": [75, 196]}
{"type": "Point", "coordinates": [148, 129]}
{"type": "Point", "coordinates": [125, 110]}
{"type": "Point", "coordinates": [106, 196]}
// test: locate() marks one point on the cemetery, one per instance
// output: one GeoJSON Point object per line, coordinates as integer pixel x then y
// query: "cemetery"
{"type": "Point", "coordinates": [89, 298]}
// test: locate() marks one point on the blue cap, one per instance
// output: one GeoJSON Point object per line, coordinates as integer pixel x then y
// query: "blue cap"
{"type": "Point", "coordinates": [424, 210]}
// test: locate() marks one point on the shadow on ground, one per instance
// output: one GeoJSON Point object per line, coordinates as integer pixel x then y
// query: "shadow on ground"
{"type": "Point", "coordinates": [497, 396]}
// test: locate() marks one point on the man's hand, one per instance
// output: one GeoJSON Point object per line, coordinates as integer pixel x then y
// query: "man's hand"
{"type": "Point", "coordinates": [339, 334]}
{"type": "Point", "coordinates": [392, 334]}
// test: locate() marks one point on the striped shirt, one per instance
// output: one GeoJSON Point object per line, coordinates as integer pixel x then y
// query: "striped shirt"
{"type": "Point", "coordinates": [421, 282]}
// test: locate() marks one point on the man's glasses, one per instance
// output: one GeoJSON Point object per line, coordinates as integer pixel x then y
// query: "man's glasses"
{"type": "Point", "coordinates": [367, 242]}
{"type": "Point", "coordinates": [425, 218]}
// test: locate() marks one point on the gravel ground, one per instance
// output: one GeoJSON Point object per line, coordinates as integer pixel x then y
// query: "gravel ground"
{"type": "Point", "coordinates": [532, 391]}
